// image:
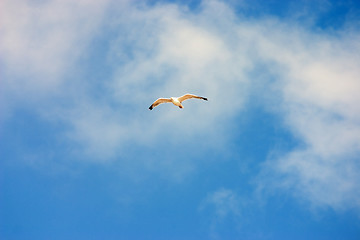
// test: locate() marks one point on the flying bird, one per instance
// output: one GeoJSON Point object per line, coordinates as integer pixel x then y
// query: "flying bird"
{"type": "Point", "coordinates": [175, 100]}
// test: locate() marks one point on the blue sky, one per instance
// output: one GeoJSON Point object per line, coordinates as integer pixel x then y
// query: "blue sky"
{"type": "Point", "coordinates": [273, 154]}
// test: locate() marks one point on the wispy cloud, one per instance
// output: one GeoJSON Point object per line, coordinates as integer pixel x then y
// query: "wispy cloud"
{"type": "Point", "coordinates": [41, 40]}
{"type": "Point", "coordinates": [225, 202]}
{"type": "Point", "coordinates": [224, 206]}
{"type": "Point", "coordinates": [318, 84]}
{"type": "Point", "coordinates": [173, 53]}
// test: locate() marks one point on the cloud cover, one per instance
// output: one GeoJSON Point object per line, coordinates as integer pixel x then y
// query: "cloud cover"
{"type": "Point", "coordinates": [309, 78]}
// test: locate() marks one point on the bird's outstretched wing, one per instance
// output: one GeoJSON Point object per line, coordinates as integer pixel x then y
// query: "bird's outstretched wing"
{"type": "Point", "coordinates": [159, 101]}
{"type": "Point", "coordinates": [188, 96]}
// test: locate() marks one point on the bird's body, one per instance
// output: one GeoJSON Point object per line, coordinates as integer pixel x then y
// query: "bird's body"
{"type": "Point", "coordinates": [175, 100]}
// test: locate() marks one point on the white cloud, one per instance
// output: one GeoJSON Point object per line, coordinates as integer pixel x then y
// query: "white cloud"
{"type": "Point", "coordinates": [163, 50]}
{"type": "Point", "coordinates": [318, 83]}
{"type": "Point", "coordinates": [168, 56]}
{"type": "Point", "coordinates": [41, 40]}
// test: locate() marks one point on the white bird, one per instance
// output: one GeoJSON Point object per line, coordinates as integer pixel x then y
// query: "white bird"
{"type": "Point", "coordinates": [175, 100]}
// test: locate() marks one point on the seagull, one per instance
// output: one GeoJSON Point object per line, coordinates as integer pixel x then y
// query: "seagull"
{"type": "Point", "coordinates": [175, 100]}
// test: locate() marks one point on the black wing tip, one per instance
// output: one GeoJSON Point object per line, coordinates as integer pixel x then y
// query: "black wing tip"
{"type": "Point", "coordinates": [151, 107]}
{"type": "Point", "coordinates": [205, 98]}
